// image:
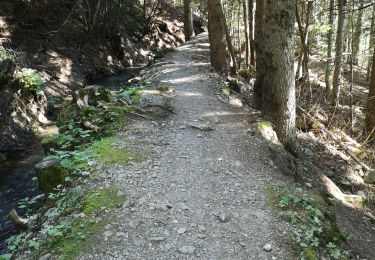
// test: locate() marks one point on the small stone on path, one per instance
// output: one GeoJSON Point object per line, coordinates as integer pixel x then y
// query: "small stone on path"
{"type": "Point", "coordinates": [201, 126]}
{"type": "Point", "coordinates": [267, 248]}
{"type": "Point", "coordinates": [182, 230]}
{"type": "Point", "coordinates": [187, 250]}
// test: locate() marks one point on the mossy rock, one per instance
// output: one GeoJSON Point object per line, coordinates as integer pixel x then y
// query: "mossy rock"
{"type": "Point", "coordinates": [50, 174]}
{"type": "Point", "coordinates": [355, 200]}
{"type": "Point", "coordinates": [265, 128]}
{"type": "Point", "coordinates": [48, 144]}
{"type": "Point", "coordinates": [102, 198]}
{"type": "Point", "coordinates": [369, 177]}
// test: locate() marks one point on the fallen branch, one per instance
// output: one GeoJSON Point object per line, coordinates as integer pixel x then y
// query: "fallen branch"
{"type": "Point", "coordinates": [334, 138]}
{"type": "Point", "coordinates": [91, 126]}
{"type": "Point", "coordinates": [17, 220]}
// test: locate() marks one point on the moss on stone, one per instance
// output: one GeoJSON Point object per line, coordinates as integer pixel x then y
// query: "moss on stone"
{"type": "Point", "coordinates": [102, 198]}
{"type": "Point", "coordinates": [107, 152]}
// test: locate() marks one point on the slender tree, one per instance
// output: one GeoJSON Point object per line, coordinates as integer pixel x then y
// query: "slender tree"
{"type": "Point", "coordinates": [188, 20]}
{"type": "Point", "coordinates": [216, 33]}
{"type": "Point", "coordinates": [259, 49]}
{"type": "Point", "coordinates": [247, 42]}
{"type": "Point", "coordinates": [340, 37]}
{"type": "Point", "coordinates": [329, 47]}
{"type": "Point", "coordinates": [251, 32]}
{"type": "Point", "coordinates": [357, 34]}
{"type": "Point", "coordinates": [229, 43]}
{"type": "Point", "coordinates": [370, 113]}
{"type": "Point", "coordinates": [279, 87]}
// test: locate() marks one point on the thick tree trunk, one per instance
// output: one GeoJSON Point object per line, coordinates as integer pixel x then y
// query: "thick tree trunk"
{"type": "Point", "coordinates": [251, 32]}
{"type": "Point", "coordinates": [340, 37]}
{"type": "Point", "coordinates": [247, 45]}
{"type": "Point", "coordinates": [357, 34]}
{"type": "Point", "coordinates": [217, 37]}
{"type": "Point", "coordinates": [329, 48]}
{"type": "Point", "coordinates": [188, 20]}
{"type": "Point", "coordinates": [279, 86]}
{"type": "Point", "coordinates": [259, 49]}
{"type": "Point", "coordinates": [370, 113]}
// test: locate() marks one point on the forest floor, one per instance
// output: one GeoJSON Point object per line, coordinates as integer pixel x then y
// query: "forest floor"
{"type": "Point", "coordinates": [199, 194]}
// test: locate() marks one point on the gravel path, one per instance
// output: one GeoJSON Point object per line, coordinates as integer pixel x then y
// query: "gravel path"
{"type": "Point", "coordinates": [200, 194]}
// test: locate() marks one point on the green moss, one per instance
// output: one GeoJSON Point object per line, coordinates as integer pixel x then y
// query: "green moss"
{"type": "Point", "coordinates": [264, 124]}
{"type": "Point", "coordinates": [99, 198]}
{"type": "Point", "coordinates": [226, 90]}
{"type": "Point", "coordinates": [303, 252]}
{"type": "Point", "coordinates": [272, 196]}
{"type": "Point", "coordinates": [81, 238]}
{"type": "Point", "coordinates": [106, 151]}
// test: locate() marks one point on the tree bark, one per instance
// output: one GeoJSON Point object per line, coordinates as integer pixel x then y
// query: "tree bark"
{"type": "Point", "coordinates": [188, 20]}
{"type": "Point", "coordinates": [340, 38]}
{"type": "Point", "coordinates": [370, 113]}
{"type": "Point", "coordinates": [303, 32]}
{"type": "Point", "coordinates": [251, 32]}
{"type": "Point", "coordinates": [259, 50]}
{"type": "Point", "coordinates": [216, 33]}
{"type": "Point", "coordinates": [229, 43]}
{"type": "Point", "coordinates": [371, 44]}
{"type": "Point", "coordinates": [329, 47]}
{"type": "Point", "coordinates": [357, 34]}
{"type": "Point", "coordinates": [279, 84]}
{"type": "Point", "coordinates": [247, 45]}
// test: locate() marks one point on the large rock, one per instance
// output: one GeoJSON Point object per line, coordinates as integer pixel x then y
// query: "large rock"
{"type": "Point", "coordinates": [50, 174]}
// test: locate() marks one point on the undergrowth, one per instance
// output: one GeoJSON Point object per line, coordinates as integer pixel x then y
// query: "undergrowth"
{"type": "Point", "coordinates": [74, 147]}
{"type": "Point", "coordinates": [315, 235]}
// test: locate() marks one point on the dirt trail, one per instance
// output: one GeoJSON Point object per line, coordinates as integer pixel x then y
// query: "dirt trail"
{"type": "Point", "coordinates": [201, 194]}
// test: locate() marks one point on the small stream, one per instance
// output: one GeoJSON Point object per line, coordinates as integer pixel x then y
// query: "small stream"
{"type": "Point", "coordinates": [16, 183]}
{"type": "Point", "coordinates": [16, 174]}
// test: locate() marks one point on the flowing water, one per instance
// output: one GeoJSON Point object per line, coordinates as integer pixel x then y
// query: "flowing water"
{"type": "Point", "coordinates": [17, 173]}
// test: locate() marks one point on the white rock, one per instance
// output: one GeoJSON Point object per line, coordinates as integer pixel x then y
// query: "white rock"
{"type": "Point", "coordinates": [187, 250]}
{"type": "Point", "coordinates": [267, 247]}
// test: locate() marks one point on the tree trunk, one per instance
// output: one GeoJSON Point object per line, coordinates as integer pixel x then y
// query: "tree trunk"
{"type": "Point", "coordinates": [279, 84]}
{"type": "Point", "coordinates": [251, 32]}
{"type": "Point", "coordinates": [188, 20]}
{"type": "Point", "coordinates": [259, 49]}
{"type": "Point", "coordinates": [371, 44]}
{"type": "Point", "coordinates": [370, 113]}
{"type": "Point", "coordinates": [357, 34]}
{"type": "Point", "coordinates": [229, 43]}
{"type": "Point", "coordinates": [217, 37]}
{"type": "Point", "coordinates": [247, 45]}
{"type": "Point", "coordinates": [303, 32]}
{"type": "Point", "coordinates": [340, 37]}
{"type": "Point", "coordinates": [329, 48]}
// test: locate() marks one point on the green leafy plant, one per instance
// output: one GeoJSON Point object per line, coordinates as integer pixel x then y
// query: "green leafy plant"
{"type": "Point", "coordinates": [31, 80]}
{"type": "Point", "coordinates": [305, 213]}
